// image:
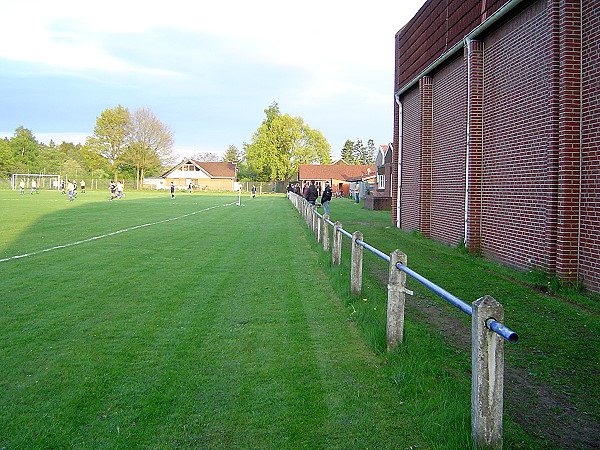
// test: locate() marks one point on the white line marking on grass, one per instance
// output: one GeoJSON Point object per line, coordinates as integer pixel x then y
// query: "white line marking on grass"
{"type": "Point", "coordinates": [113, 233]}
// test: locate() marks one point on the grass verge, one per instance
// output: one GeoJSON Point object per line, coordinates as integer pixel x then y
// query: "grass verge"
{"type": "Point", "coordinates": [181, 324]}
{"type": "Point", "coordinates": [552, 374]}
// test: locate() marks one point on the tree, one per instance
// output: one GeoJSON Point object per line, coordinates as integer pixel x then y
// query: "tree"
{"type": "Point", "coordinates": [357, 153]}
{"type": "Point", "coordinates": [348, 152]}
{"type": "Point", "coordinates": [282, 143]}
{"type": "Point", "coordinates": [111, 135]}
{"type": "Point", "coordinates": [51, 158]}
{"type": "Point", "coordinates": [362, 154]}
{"type": "Point", "coordinates": [371, 150]}
{"type": "Point", "coordinates": [150, 143]}
{"type": "Point", "coordinates": [206, 156]}
{"type": "Point", "coordinates": [6, 156]}
{"type": "Point", "coordinates": [232, 154]}
{"type": "Point", "coordinates": [24, 148]}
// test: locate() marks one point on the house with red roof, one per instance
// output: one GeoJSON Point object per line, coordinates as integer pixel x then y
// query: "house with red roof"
{"type": "Point", "coordinates": [381, 196]}
{"type": "Point", "coordinates": [340, 175]}
{"type": "Point", "coordinates": [204, 175]}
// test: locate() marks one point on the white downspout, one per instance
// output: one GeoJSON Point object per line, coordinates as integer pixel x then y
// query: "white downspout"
{"type": "Point", "coordinates": [468, 149]}
{"type": "Point", "coordinates": [399, 164]}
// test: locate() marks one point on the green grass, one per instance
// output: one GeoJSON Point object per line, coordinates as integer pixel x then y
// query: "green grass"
{"type": "Point", "coordinates": [215, 330]}
{"type": "Point", "coordinates": [559, 335]}
{"type": "Point", "coordinates": [229, 328]}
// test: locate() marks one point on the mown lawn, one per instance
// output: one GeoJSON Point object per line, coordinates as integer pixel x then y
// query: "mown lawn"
{"type": "Point", "coordinates": [552, 376]}
{"type": "Point", "coordinates": [205, 328]}
{"type": "Point", "coordinates": [197, 323]}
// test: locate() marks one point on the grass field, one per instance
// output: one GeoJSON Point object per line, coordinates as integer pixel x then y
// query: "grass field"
{"type": "Point", "coordinates": [216, 329]}
{"type": "Point", "coordinates": [196, 323]}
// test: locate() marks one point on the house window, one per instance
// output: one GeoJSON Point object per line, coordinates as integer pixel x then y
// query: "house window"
{"type": "Point", "coordinates": [188, 167]}
{"type": "Point", "coordinates": [380, 181]}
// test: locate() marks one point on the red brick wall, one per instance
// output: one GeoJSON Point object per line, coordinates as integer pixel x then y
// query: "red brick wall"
{"type": "Point", "coordinates": [410, 208]}
{"type": "Point", "coordinates": [590, 217]}
{"type": "Point", "coordinates": [514, 178]}
{"type": "Point", "coordinates": [437, 26]}
{"type": "Point", "coordinates": [529, 89]}
{"type": "Point", "coordinates": [448, 153]}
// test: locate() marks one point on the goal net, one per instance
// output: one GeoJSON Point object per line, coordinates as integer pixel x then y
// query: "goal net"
{"type": "Point", "coordinates": [42, 180]}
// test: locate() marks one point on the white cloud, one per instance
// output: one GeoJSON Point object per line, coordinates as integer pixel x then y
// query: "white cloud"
{"type": "Point", "coordinates": [315, 34]}
{"type": "Point", "coordinates": [314, 57]}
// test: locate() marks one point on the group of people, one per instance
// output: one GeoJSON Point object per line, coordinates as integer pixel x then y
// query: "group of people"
{"type": "Point", "coordinates": [116, 190]}
{"type": "Point", "coordinates": [33, 187]}
{"type": "Point", "coordinates": [311, 193]}
{"type": "Point", "coordinates": [69, 187]}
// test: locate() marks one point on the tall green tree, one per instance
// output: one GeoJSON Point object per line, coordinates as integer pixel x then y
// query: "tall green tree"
{"type": "Point", "coordinates": [282, 143]}
{"type": "Point", "coordinates": [348, 152]}
{"type": "Point", "coordinates": [355, 152]}
{"type": "Point", "coordinates": [111, 136]}
{"type": "Point", "coordinates": [25, 149]}
{"type": "Point", "coordinates": [362, 154]}
{"type": "Point", "coordinates": [51, 157]}
{"type": "Point", "coordinates": [7, 159]}
{"type": "Point", "coordinates": [150, 143]}
{"type": "Point", "coordinates": [232, 154]}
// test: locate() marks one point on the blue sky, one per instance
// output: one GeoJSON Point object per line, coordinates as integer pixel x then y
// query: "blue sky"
{"type": "Point", "coordinates": [208, 72]}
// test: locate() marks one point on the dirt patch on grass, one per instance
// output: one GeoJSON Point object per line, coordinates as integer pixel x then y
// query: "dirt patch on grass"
{"type": "Point", "coordinates": [539, 408]}
{"type": "Point", "coordinates": [536, 406]}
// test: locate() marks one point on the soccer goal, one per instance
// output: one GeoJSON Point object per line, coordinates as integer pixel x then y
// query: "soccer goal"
{"type": "Point", "coordinates": [42, 180]}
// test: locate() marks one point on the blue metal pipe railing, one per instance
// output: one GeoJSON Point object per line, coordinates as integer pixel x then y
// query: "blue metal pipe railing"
{"type": "Point", "coordinates": [492, 324]}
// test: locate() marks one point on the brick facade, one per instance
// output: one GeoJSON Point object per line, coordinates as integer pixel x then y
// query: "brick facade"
{"type": "Point", "coordinates": [497, 140]}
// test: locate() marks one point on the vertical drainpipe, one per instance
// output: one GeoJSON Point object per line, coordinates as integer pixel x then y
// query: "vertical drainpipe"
{"type": "Point", "coordinates": [399, 162]}
{"type": "Point", "coordinates": [579, 209]}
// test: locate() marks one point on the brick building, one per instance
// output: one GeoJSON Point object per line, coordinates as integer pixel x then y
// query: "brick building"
{"type": "Point", "coordinates": [203, 175]}
{"type": "Point", "coordinates": [497, 131]}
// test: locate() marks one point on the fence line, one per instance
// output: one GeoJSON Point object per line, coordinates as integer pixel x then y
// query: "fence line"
{"type": "Point", "coordinates": [487, 350]}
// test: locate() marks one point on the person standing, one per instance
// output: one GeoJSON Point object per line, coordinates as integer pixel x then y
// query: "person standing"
{"type": "Point", "coordinates": [312, 193]}
{"type": "Point", "coordinates": [356, 192]}
{"type": "Point", "coordinates": [253, 191]}
{"type": "Point", "coordinates": [33, 186]}
{"type": "Point", "coordinates": [326, 197]}
{"type": "Point", "coordinates": [113, 190]}
{"type": "Point", "coordinates": [172, 191]}
{"type": "Point", "coordinates": [120, 188]}
{"type": "Point", "coordinates": [71, 190]}
{"type": "Point", "coordinates": [22, 187]}
{"type": "Point", "coordinates": [82, 184]}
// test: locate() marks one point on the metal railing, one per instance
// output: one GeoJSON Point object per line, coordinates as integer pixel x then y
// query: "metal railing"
{"type": "Point", "coordinates": [487, 354]}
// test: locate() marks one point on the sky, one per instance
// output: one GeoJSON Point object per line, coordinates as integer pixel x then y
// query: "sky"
{"type": "Point", "coordinates": [208, 72]}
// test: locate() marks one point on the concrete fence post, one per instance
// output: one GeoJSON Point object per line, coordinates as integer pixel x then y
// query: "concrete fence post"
{"type": "Point", "coordinates": [396, 300]}
{"type": "Point", "coordinates": [487, 385]}
{"type": "Point", "coordinates": [325, 237]}
{"type": "Point", "coordinates": [318, 224]}
{"type": "Point", "coordinates": [336, 252]}
{"type": "Point", "coordinates": [356, 265]}
{"type": "Point", "coordinates": [307, 213]}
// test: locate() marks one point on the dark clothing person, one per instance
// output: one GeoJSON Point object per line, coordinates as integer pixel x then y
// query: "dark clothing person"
{"type": "Point", "coordinates": [312, 194]}
{"type": "Point", "coordinates": [326, 198]}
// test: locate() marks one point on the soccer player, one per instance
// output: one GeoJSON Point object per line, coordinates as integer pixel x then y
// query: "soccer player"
{"type": "Point", "coordinates": [113, 189]}
{"type": "Point", "coordinates": [71, 191]}
{"type": "Point", "coordinates": [172, 191]}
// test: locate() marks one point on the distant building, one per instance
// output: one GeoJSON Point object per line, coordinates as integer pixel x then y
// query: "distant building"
{"type": "Point", "coordinates": [202, 175]}
{"type": "Point", "coordinates": [496, 132]}
{"type": "Point", "coordinates": [338, 174]}
{"type": "Point", "coordinates": [380, 197]}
